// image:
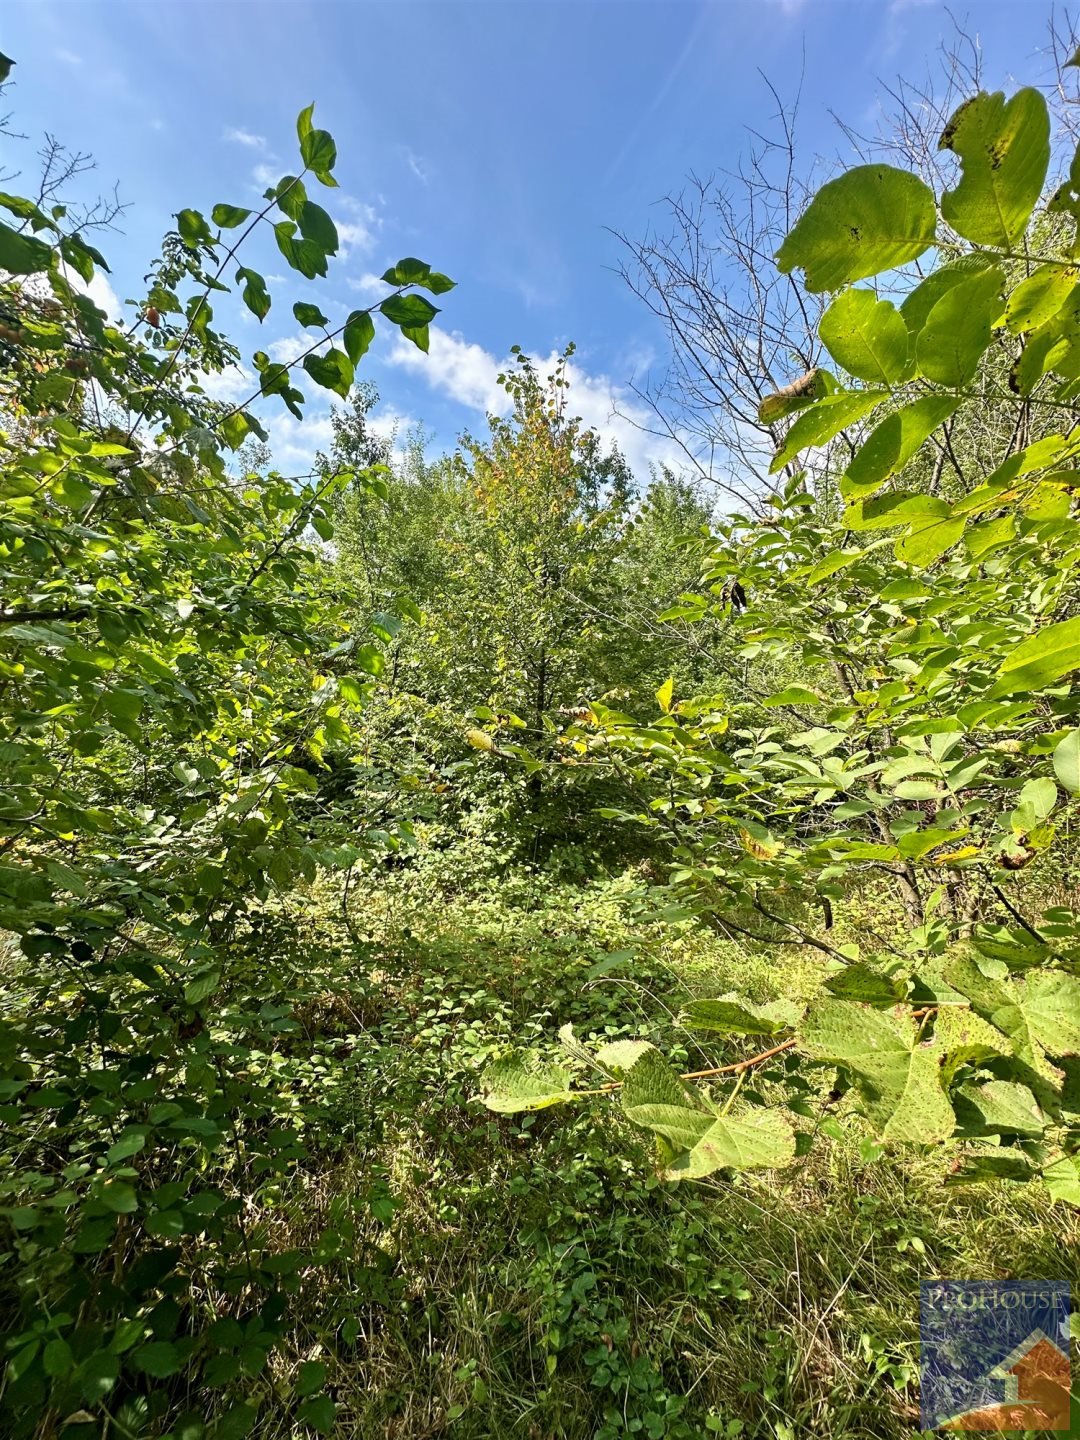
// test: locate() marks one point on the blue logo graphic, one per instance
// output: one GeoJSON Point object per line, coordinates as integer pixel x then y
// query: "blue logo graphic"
{"type": "Point", "coordinates": [994, 1355]}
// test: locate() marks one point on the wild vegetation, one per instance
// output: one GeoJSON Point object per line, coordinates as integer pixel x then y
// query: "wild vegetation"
{"type": "Point", "coordinates": [352, 822]}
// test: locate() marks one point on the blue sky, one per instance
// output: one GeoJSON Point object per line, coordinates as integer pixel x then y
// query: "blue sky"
{"type": "Point", "coordinates": [496, 140]}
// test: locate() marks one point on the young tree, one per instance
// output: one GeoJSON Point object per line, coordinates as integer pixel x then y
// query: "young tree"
{"type": "Point", "coordinates": [175, 661]}
{"type": "Point", "coordinates": [925, 745]}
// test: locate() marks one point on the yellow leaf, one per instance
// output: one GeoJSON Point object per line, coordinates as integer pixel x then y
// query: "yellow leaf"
{"type": "Point", "coordinates": [664, 694]}
{"type": "Point", "coordinates": [760, 849]}
{"type": "Point", "coordinates": [964, 853]}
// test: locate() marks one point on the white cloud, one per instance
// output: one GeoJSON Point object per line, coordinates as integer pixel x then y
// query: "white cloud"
{"type": "Point", "coordinates": [467, 373]}
{"type": "Point", "coordinates": [230, 385]}
{"type": "Point", "coordinates": [370, 285]}
{"type": "Point", "coordinates": [102, 294]}
{"type": "Point", "coordinates": [239, 136]}
{"type": "Point", "coordinates": [353, 235]}
{"type": "Point", "coordinates": [68, 57]}
{"type": "Point", "coordinates": [359, 232]}
{"type": "Point", "coordinates": [291, 347]}
{"type": "Point", "coordinates": [461, 369]}
{"type": "Point", "coordinates": [417, 164]}
{"type": "Point", "coordinates": [264, 175]}
{"type": "Point", "coordinates": [293, 442]}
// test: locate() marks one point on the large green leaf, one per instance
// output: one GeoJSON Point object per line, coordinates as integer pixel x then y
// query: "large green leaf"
{"type": "Point", "coordinates": [524, 1082]}
{"type": "Point", "coordinates": [1038, 298]}
{"type": "Point", "coordinates": [1067, 761]}
{"type": "Point", "coordinates": [1038, 1015]}
{"type": "Point", "coordinates": [866, 336]}
{"type": "Point", "coordinates": [358, 334]}
{"type": "Point", "coordinates": [890, 445]}
{"type": "Point", "coordinates": [868, 220]}
{"type": "Point", "coordinates": [898, 1076]}
{"type": "Point", "coordinates": [998, 1107]}
{"type": "Point", "coordinates": [1040, 660]}
{"type": "Point", "coordinates": [333, 370]}
{"type": "Point", "coordinates": [316, 225]}
{"type": "Point", "coordinates": [409, 310]}
{"type": "Point", "coordinates": [1004, 150]}
{"type": "Point", "coordinates": [927, 539]}
{"type": "Point", "coordinates": [966, 1038]}
{"type": "Point", "coordinates": [731, 1015]}
{"type": "Point", "coordinates": [22, 254]}
{"type": "Point", "coordinates": [920, 301]}
{"type": "Point", "coordinates": [959, 328]}
{"type": "Point", "coordinates": [747, 1140]}
{"type": "Point", "coordinates": [824, 420]}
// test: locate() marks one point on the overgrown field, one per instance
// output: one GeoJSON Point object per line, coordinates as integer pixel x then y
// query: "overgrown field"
{"type": "Point", "coordinates": [491, 1276]}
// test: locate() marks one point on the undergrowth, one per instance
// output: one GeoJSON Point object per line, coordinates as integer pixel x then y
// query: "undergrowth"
{"type": "Point", "coordinates": [486, 1276]}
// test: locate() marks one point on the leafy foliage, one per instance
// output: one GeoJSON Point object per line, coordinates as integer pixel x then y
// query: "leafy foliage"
{"type": "Point", "coordinates": [177, 670]}
{"type": "Point", "coordinates": [921, 719]}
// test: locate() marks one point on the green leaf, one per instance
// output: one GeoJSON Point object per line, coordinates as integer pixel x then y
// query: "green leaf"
{"type": "Point", "coordinates": [870, 219]}
{"type": "Point", "coordinates": [795, 694]}
{"type": "Point", "coordinates": [160, 1359]}
{"type": "Point", "coordinates": [1040, 795]}
{"type": "Point", "coordinates": [918, 304]}
{"type": "Point", "coordinates": [1004, 151]}
{"type": "Point", "coordinates": [291, 196]}
{"type": "Point", "coordinates": [824, 420]}
{"type": "Point", "coordinates": [192, 228]}
{"type": "Point", "coordinates": [309, 314]}
{"type": "Point", "coordinates": [125, 1147]}
{"type": "Point", "coordinates": [358, 334]}
{"type": "Point", "coordinates": [408, 310]}
{"type": "Point", "coordinates": [22, 254]}
{"type": "Point", "coordinates": [118, 1197]}
{"type": "Point", "coordinates": [228, 217]}
{"type": "Point", "coordinates": [731, 1015]}
{"type": "Point", "coordinates": [860, 982]}
{"type": "Point", "coordinates": [892, 444]}
{"type": "Point", "coordinates": [664, 694]}
{"type": "Point", "coordinates": [524, 1082]}
{"type": "Point", "coordinates": [898, 1078]}
{"type": "Point", "coordinates": [619, 1056]}
{"type": "Point", "coordinates": [750, 1139]}
{"type": "Point", "coordinates": [419, 335]}
{"type": "Point", "coordinates": [57, 1359]}
{"type": "Point", "coordinates": [317, 148]}
{"type": "Point", "coordinates": [411, 271]}
{"type": "Point", "coordinates": [304, 255]}
{"type": "Point", "coordinates": [967, 1039]}
{"type": "Point", "coordinates": [316, 225]}
{"type": "Point", "coordinates": [1062, 1179]}
{"type": "Point", "coordinates": [866, 336]}
{"type": "Point", "coordinates": [1040, 660]}
{"type": "Point", "coordinates": [333, 370]}
{"type": "Point", "coordinates": [197, 990]}
{"type": "Point", "coordinates": [998, 1107]}
{"type": "Point", "coordinates": [1038, 298]}
{"type": "Point", "coordinates": [96, 1376]}
{"type": "Point", "coordinates": [886, 512]}
{"type": "Point", "coordinates": [1038, 1015]}
{"type": "Point", "coordinates": [320, 1413]}
{"type": "Point", "coordinates": [928, 538]}
{"type": "Point", "coordinates": [959, 328]}
{"type": "Point", "coordinates": [310, 1377]}
{"type": "Point", "coordinates": [255, 294]}
{"type": "Point", "coordinates": [1067, 762]}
